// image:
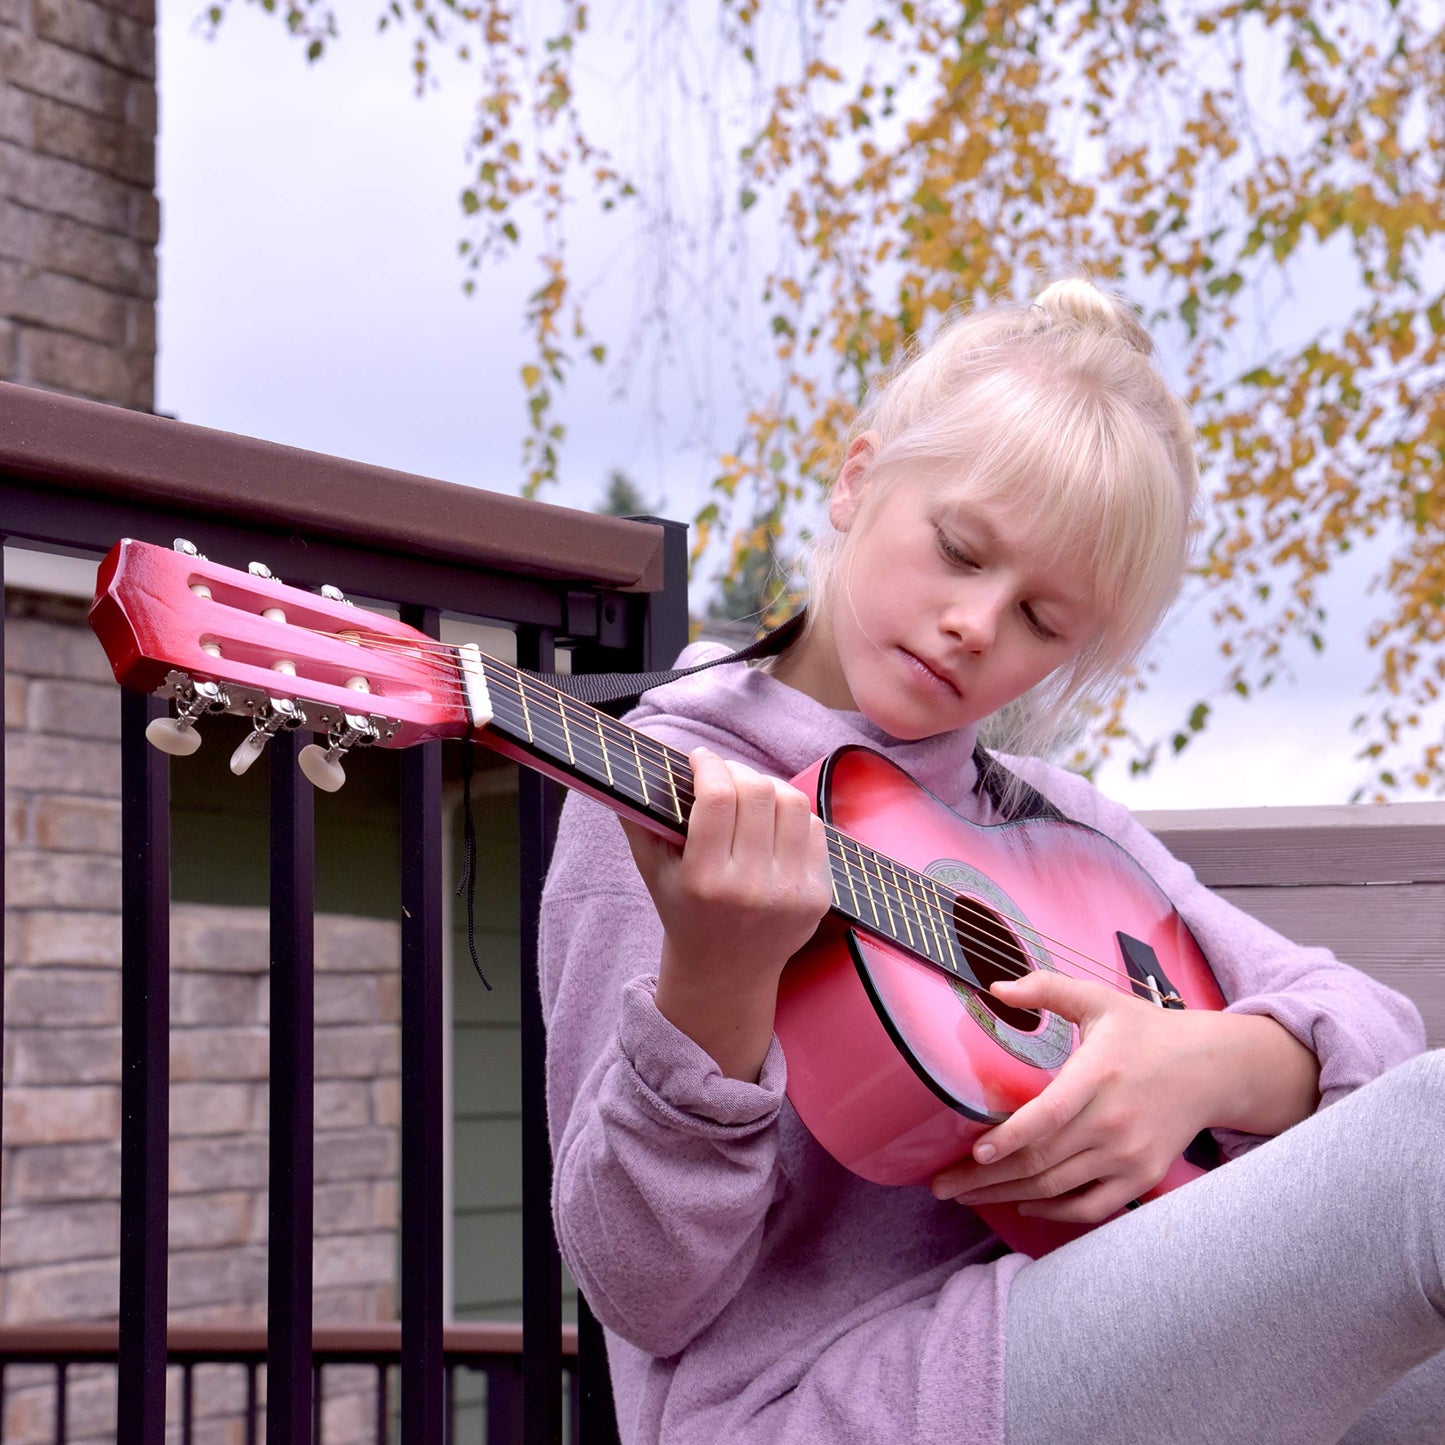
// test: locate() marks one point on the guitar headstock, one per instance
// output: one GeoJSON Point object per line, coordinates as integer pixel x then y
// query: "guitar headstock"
{"type": "Point", "coordinates": [217, 639]}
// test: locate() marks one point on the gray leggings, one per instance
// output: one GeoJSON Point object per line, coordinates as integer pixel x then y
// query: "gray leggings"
{"type": "Point", "coordinates": [1295, 1297]}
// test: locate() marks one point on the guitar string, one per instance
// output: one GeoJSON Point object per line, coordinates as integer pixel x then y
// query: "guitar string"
{"type": "Point", "coordinates": [983, 945]}
{"type": "Point", "coordinates": [678, 785]}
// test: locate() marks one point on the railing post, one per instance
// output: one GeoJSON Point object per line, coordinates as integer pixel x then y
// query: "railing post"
{"type": "Point", "coordinates": [422, 1095]}
{"type": "Point", "coordinates": [537, 803]}
{"type": "Point", "coordinates": [145, 1076]}
{"type": "Point", "coordinates": [292, 1111]}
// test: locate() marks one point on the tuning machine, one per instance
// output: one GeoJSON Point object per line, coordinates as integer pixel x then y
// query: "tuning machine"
{"type": "Point", "coordinates": [322, 766]}
{"type": "Point", "coordinates": [279, 714]}
{"type": "Point", "coordinates": [177, 735]}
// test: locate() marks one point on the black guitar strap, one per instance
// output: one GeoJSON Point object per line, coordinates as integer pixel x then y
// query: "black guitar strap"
{"type": "Point", "coordinates": [1013, 798]}
{"type": "Point", "coordinates": [613, 692]}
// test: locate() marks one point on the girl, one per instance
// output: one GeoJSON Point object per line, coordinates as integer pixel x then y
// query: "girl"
{"type": "Point", "coordinates": [1010, 521]}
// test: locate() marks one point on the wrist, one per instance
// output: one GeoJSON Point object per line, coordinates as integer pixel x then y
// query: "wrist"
{"type": "Point", "coordinates": [731, 1019]}
{"type": "Point", "coordinates": [1266, 1079]}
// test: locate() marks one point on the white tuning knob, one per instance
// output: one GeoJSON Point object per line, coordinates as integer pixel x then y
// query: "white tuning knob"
{"type": "Point", "coordinates": [321, 769]}
{"type": "Point", "coordinates": [250, 749]}
{"type": "Point", "coordinates": [179, 739]}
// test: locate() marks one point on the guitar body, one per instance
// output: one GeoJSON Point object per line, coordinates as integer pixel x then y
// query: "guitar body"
{"type": "Point", "coordinates": [896, 1068]}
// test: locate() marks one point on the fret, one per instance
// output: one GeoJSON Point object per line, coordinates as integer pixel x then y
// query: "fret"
{"type": "Point", "coordinates": [868, 888]}
{"type": "Point", "coordinates": [566, 731]}
{"type": "Point", "coordinates": [602, 741]}
{"type": "Point", "coordinates": [526, 714]}
{"type": "Point", "coordinates": [641, 776]}
{"type": "Point", "coordinates": [672, 784]}
{"type": "Point", "coordinates": [882, 888]}
{"type": "Point", "coordinates": [902, 904]}
{"type": "Point", "coordinates": [835, 848]}
{"type": "Point", "coordinates": [929, 905]}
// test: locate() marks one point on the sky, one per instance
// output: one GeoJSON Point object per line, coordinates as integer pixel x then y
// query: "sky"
{"type": "Point", "coordinates": [311, 294]}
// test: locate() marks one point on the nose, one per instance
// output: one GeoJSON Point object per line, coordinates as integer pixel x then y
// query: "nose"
{"type": "Point", "coordinates": [974, 619]}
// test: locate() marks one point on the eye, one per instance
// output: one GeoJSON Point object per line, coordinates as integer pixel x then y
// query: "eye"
{"type": "Point", "coordinates": [1038, 626]}
{"type": "Point", "coordinates": [952, 552]}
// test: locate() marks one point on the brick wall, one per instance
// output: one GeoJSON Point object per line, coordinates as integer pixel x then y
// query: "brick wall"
{"type": "Point", "coordinates": [59, 1199]}
{"type": "Point", "coordinates": [79, 218]}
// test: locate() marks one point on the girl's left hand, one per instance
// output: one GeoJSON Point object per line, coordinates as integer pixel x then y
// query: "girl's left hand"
{"type": "Point", "coordinates": [1141, 1084]}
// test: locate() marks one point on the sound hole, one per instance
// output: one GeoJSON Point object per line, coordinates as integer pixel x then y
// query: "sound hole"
{"type": "Point", "coordinates": [993, 952]}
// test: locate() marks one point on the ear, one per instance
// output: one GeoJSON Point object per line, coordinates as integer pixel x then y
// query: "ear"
{"type": "Point", "coordinates": [847, 494]}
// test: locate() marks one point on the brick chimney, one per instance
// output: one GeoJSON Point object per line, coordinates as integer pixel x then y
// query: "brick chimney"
{"type": "Point", "coordinates": [79, 217]}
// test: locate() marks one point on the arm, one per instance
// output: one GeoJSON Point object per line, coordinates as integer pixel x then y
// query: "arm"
{"type": "Point", "coordinates": [665, 1165]}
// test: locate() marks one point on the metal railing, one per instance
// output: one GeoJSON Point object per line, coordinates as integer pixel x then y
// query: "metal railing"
{"type": "Point", "coordinates": [75, 477]}
{"type": "Point", "coordinates": [490, 1352]}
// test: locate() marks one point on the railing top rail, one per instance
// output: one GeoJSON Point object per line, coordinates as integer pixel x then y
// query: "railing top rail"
{"type": "Point", "coordinates": [198, 1343]}
{"type": "Point", "coordinates": [107, 452]}
{"type": "Point", "coordinates": [1363, 843]}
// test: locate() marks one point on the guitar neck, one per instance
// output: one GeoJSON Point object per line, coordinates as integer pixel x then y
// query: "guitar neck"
{"type": "Point", "coordinates": [581, 745]}
{"type": "Point", "coordinates": [637, 775]}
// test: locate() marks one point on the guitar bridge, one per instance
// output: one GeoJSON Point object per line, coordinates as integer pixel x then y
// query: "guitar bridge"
{"type": "Point", "coordinates": [1149, 979]}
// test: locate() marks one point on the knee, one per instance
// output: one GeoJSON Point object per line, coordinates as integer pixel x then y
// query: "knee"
{"type": "Point", "coordinates": [1420, 1082]}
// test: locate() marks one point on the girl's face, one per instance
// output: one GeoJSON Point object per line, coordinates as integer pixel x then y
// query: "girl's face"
{"type": "Point", "coordinates": [943, 611]}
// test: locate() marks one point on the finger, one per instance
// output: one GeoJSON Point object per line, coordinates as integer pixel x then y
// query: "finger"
{"type": "Point", "coordinates": [1088, 1206]}
{"type": "Point", "coordinates": [1066, 1176]}
{"type": "Point", "coordinates": [1078, 999]}
{"type": "Point", "coordinates": [1044, 1116]}
{"type": "Point", "coordinates": [647, 847]}
{"type": "Point", "coordinates": [713, 818]}
{"type": "Point", "coordinates": [793, 822]}
{"type": "Point", "coordinates": [755, 826]}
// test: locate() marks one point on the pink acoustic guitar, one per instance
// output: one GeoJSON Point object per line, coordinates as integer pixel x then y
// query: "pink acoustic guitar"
{"type": "Point", "coordinates": [898, 1057]}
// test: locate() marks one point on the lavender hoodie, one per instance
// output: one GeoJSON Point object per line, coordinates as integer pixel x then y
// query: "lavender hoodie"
{"type": "Point", "coordinates": [752, 1289]}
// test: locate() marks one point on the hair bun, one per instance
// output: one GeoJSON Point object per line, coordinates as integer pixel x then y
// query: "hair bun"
{"type": "Point", "coordinates": [1081, 301]}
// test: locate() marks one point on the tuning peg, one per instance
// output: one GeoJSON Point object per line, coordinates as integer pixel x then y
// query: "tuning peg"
{"type": "Point", "coordinates": [174, 736]}
{"type": "Point", "coordinates": [188, 548]}
{"type": "Point", "coordinates": [322, 769]}
{"type": "Point", "coordinates": [178, 736]}
{"type": "Point", "coordinates": [334, 594]}
{"type": "Point", "coordinates": [280, 713]}
{"type": "Point", "coordinates": [323, 765]}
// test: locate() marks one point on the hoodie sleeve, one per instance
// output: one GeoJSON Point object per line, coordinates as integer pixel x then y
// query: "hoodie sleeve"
{"type": "Point", "coordinates": [664, 1169]}
{"type": "Point", "coordinates": [1355, 1026]}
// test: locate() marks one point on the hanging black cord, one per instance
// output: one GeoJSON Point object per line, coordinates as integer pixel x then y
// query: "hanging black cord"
{"type": "Point", "coordinates": [467, 882]}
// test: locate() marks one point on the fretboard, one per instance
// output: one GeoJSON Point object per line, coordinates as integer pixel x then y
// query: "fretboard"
{"type": "Point", "coordinates": [870, 890]}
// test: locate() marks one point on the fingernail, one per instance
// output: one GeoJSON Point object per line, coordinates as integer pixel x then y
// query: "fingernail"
{"type": "Point", "coordinates": [984, 1152]}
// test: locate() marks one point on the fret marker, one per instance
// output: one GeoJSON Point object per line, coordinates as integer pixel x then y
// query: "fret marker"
{"type": "Point", "coordinates": [474, 681]}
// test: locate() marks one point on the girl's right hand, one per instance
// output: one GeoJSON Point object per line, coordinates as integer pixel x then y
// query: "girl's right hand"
{"type": "Point", "coordinates": [743, 894]}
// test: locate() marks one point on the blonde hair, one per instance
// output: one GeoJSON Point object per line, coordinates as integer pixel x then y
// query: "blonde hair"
{"type": "Point", "coordinates": [1057, 410]}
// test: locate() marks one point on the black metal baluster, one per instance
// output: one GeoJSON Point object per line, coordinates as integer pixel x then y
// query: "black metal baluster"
{"type": "Point", "coordinates": [62, 1430]}
{"type": "Point", "coordinates": [504, 1403]}
{"type": "Point", "coordinates": [187, 1405]}
{"type": "Point", "coordinates": [382, 1404]}
{"type": "Point", "coordinates": [422, 1102]}
{"type": "Point", "coordinates": [316, 1402]}
{"type": "Point", "coordinates": [252, 1404]}
{"type": "Point", "coordinates": [537, 804]}
{"type": "Point", "coordinates": [288, 1341]}
{"type": "Point", "coordinates": [3, 796]}
{"type": "Point", "coordinates": [145, 1076]}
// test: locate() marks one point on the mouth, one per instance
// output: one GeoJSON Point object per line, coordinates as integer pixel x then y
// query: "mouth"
{"type": "Point", "coordinates": [929, 673]}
